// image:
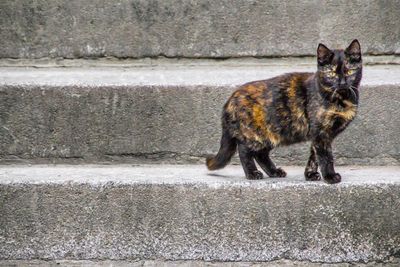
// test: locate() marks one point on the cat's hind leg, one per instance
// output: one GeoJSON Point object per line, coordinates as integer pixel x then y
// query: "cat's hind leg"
{"type": "Point", "coordinates": [265, 162]}
{"type": "Point", "coordinates": [311, 172]}
{"type": "Point", "coordinates": [246, 156]}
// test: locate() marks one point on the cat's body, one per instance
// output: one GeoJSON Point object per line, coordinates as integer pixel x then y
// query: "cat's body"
{"type": "Point", "coordinates": [292, 108]}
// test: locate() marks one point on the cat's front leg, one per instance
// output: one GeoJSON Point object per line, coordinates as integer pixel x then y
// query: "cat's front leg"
{"type": "Point", "coordinates": [325, 160]}
{"type": "Point", "coordinates": [311, 172]}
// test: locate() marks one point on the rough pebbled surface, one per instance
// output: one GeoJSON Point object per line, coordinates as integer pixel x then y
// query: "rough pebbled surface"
{"type": "Point", "coordinates": [166, 114]}
{"type": "Point", "coordinates": [186, 213]}
{"type": "Point", "coordinates": [162, 263]}
{"type": "Point", "coordinates": [175, 28]}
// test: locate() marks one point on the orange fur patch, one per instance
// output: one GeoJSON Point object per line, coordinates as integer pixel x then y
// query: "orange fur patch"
{"type": "Point", "coordinates": [347, 113]}
{"type": "Point", "coordinates": [259, 121]}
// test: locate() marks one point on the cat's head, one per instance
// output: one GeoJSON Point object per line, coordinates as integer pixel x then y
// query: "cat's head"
{"type": "Point", "coordinates": [340, 71]}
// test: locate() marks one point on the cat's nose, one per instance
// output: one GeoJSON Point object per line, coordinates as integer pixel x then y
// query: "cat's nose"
{"type": "Point", "coordinates": [342, 83]}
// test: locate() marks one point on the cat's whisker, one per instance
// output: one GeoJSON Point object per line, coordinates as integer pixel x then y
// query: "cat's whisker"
{"type": "Point", "coordinates": [352, 92]}
{"type": "Point", "coordinates": [333, 94]}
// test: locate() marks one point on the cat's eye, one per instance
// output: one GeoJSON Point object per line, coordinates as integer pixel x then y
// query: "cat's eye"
{"type": "Point", "coordinates": [330, 74]}
{"type": "Point", "coordinates": [350, 71]}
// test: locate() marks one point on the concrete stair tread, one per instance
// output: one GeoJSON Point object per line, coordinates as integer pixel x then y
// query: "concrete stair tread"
{"type": "Point", "coordinates": [184, 174]}
{"type": "Point", "coordinates": [177, 74]}
{"type": "Point", "coordinates": [168, 111]}
{"type": "Point", "coordinates": [181, 212]}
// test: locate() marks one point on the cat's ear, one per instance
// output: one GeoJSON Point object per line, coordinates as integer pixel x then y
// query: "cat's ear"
{"type": "Point", "coordinates": [354, 50]}
{"type": "Point", "coordinates": [324, 54]}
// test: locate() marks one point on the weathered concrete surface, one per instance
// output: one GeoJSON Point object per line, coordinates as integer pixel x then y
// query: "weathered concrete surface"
{"type": "Point", "coordinates": [207, 28]}
{"type": "Point", "coordinates": [175, 212]}
{"type": "Point", "coordinates": [166, 113]}
{"type": "Point", "coordinates": [161, 263]}
{"type": "Point", "coordinates": [163, 62]}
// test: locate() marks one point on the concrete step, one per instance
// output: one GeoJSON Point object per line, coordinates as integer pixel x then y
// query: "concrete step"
{"type": "Point", "coordinates": [170, 212]}
{"type": "Point", "coordinates": [168, 112]}
{"type": "Point", "coordinates": [175, 28]}
{"type": "Point", "coordinates": [162, 263]}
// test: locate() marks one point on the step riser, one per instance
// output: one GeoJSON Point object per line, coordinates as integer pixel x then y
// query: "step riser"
{"type": "Point", "coordinates": [199, 222]}
{"type": "Point", "coordinates": [125, 28]}
{"type": "Point", "coordinates": [170, 123]}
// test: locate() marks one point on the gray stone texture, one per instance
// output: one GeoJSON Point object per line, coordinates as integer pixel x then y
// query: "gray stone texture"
{"type": "Point", "coordinates": [193, 28]}
{"type": "Point", "coordinates": [162, 263]}
{"type": "Point", "coordinates": [183, 213]}
{"type": "Point", "coordinates": [166, 114]}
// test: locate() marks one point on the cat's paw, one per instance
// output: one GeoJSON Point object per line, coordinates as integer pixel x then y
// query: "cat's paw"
{"type": "Point", "coordinates": [279, 173]}
{"type": "Point", "coordinates": [312, 176]}
{"type": "Point", "coordinates": [255, 175]}
{"type": "Point", "coordinates": [333, 178]}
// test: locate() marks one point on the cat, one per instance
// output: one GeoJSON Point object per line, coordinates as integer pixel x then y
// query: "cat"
{"type": "Point", "coordinates": [292, 108]}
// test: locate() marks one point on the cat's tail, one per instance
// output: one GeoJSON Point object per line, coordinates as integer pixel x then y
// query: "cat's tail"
{"type": "Point", "coordinates": [225, 153]}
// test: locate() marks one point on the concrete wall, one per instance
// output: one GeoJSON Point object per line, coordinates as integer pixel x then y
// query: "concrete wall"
{"type": "Point", "coordinates": [193, 28]}
{"type": "Point", "coordinates": [173, 123]}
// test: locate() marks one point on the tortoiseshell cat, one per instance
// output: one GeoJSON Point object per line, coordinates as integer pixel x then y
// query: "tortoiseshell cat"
{"type": "Point", "coordinates": [292, 108]}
